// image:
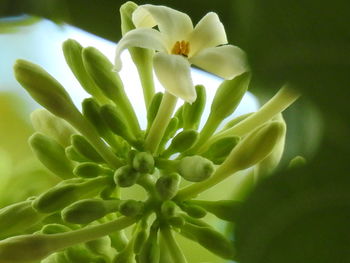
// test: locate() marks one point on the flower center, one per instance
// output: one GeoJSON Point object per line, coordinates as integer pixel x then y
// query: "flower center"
{"type": "Point", "coordinates": [181, 48]}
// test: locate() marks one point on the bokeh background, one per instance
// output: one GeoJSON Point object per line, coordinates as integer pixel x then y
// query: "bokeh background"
{"type": "Point", "coordinates": [302, 42]}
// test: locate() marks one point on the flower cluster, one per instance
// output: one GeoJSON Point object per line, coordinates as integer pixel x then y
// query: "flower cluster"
{"type": "Point", "coordinates": [99, 152]}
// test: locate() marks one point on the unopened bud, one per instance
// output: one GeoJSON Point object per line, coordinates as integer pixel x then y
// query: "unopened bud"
{"type": "Point", "coordinates": [90, 170]}
{"type": "Point", "coordinates": [54, 229]}
{"type": "Point", "coordinates": [192, 113]}
{"type": "Point", "coordinates": [196, 168]}
{"type": "Point", "coordinates": [193, 210]}
{"type": "Point", "coordinates": [167, 185]}
{"type": "Point", "coordinates": [131, 208]}
{"type": "Point", "coordinates": [83, 147]}
{"type": "Point", "coordinates": [143, 162]}
{"type": "Point", "coordinates": [219, 150]}
{"type": "Point", "coordinates": [126, 176]}
{"type": "Point", "coordinates": [153, 108]}
{"type": "Point", "coordinates": [297, 162]}
{"type": "Point", "coordinates": [183, 141]}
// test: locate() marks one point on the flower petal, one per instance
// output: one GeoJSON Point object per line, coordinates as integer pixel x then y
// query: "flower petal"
{"type": "Point", "coordinates": [209, 32]}
{"type": "Point", "coordinates": [174, 25]}
{"type": "Point", "coordinates": [225, 61]}
{"type": "Point", "coordinates": [139, 37]}
{"type": "Point", "coordinates": [174, 73]}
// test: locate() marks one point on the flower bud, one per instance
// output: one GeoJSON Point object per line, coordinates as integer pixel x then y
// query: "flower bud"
{"type": "Point", "coordinates": [169, 132]}
{"type": "Point", "coordinates": [153, 108]}
{"type": "Point", "coordinates": [167, 185]}
{"type": "Point", "coordinates": [73, 155]}
{"type": "Point", "coordinates": [229, 95]}
{"type": "Point", "coordinates": [45, 122]}
{"type": "Point", "coordinates": [168, 208]}
{"type": "Point", "coordinates": [72, 51]}
{"type": "Point", "coordinates": [196, 168]}
{"type": "Point", "coordinates": [65, 193]}
{"type": "Point", "coordinates": [54, 229]}
{"type": "Point", "coordinates": [83, 147]}
{"type": "Point", "coordinates": [143, 162]}
{"type": "Point", "coordinates": [101, 247]}
{"type": "Point", "coordinates": [176, 221]}
{"type": "Point", "coordinates": [126, 176]}
{"type": "Point", "coordinates": [51, 154]}
{"type": "Point", "coordinates": [126, 11]}
{"type": "Point", "coordinates": [220, 149]}
{"type": "Point", "coordinates": [46, 90]}
{"type": "Point", "coordinates": [193, 210]}
{"type": "Point", "coordinates": [225, 209]}
{"type": "Point", "coordinates": [210, 239]}
{"type": "Point", "coordinates": [192, 113]}
{"type": "Point", "coordinates": [88, 210]}
{"type": "Point", "coordinates": [183, 141]}
{"type": "Point", "coordinates": [254, 147]}
{"type": "Point", "coordinates": [116, 122]}
{"type": "Point", "coordinates": [131, 208]}
{"type": "Point", "coordinates": [90, 170]}
{"type": "Point", "coordinates": [297, 162]}
{"type": "Point", "coordinates": [18, 217]}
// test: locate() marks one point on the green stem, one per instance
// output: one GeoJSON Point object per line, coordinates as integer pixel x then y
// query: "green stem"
{"type": "Point", "coordinates": [146, 78]}
{"type": "Point", "coordinates": [160, 123]}
{"type": "Point", "coordinates": [282, 100]}
{"type": "Point", "coordinates": [172, 245]}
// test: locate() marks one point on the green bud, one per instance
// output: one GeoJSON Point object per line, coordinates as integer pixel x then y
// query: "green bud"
{"type": "Point", "coordinates": [100, 246]}
{"type": "Point", "coordinates": [116, 122]}
{"type": "Point", "coordinates": [196, 168]}
{"type": "Point", "coordinates": [297, 162]}
{"type": "Point", "coordinates": [168, 208]}
{"type": "Point", "coordinates": [62, 195]}
{"type": "Point", "coordinates": [126, 11]}
{"type": "Point", "coordinates": [183, 141]}
{"type": "Point", "coordinates": [91, 110]}
{"type": "Point", "coordinates": [178, 115]}
{"type": "Point", "coordinates": [46, 90]}
{"type": "Point", "coordinates": [51, 154]}
{"type": "Point", "coordinates": [193, 210]}
{"type": "Point", "coordinates": [54, 229]}
{"type": "Point", "coordinates": [143, 162]}
{"type": "Point", "coordinates": [225, 209]}
{"type": "Point", "coordinates": [150, 252]}
{"type": "Point", "coordinates": [72, 51]}
{"type": "Point", "coordinates": [210, 239]}
{"type": "Point", "coordinates": [91, 170]}
{"type": "Point", "coordinates": [18, 217]}
{"type": "Point", "coordinates": [229, 95]}
{"type": "Point", "coordinates": [167, 185]}
{"type": "Point", "coordinates": [140, 240]}
{"type": "Point", "coordinates": [176, 221]}
{"type": "Point", "coordinates": [73, 155]}
{"type": "Point", "coordinates": [89, 210]}
{"type": "Point", "coordinates": [126, 176]}
{"type": "Point", "coordinates": [84, 148]}
{"type": "Point", "coordinates": [45, 122]}
{"type": "Point", "coordinates": [169, 132]}
{"type": "Point", "coordinates": [254, 147]}
{"type": "Point", "coordinates": [131, 208]}
{"type": "Point", "coordinates": [153, 108]}
{"type": "Point", "coordinates": [192, 113]}
{"type": "Point", "coordinates": [220, 149]}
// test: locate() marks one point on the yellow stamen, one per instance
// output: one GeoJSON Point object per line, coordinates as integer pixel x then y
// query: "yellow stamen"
{"type": "Point", "coordinates": [181, 48]}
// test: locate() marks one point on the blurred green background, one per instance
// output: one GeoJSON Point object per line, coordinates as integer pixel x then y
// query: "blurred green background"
{"type": "Point", "coordinates": [305, 43]}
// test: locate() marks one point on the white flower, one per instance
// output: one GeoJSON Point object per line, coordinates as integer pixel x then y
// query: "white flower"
{"type": "Point", "coordinates": [180, 45]}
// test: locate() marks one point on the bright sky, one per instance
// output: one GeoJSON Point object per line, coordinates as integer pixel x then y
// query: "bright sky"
{"type": "Point", "coordinates": [41, 44]}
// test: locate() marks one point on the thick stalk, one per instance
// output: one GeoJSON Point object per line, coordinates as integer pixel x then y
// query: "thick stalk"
{"type": "Point", "coordinates": [160, 123]}
{"type": "Point", "coordinates": [173, 248]}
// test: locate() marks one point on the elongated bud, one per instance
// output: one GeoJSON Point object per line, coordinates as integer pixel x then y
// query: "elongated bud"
{"type": "Point", "coordinates": [143, 162]}
{"type": "Point", "coordinates": [192, 113]}
{"type": "Point", "coordinates": [89, 210]}
{"type": "Point", "coordinates": [46, 90]}
{"type": "Point", "coordinates": [91, 170]}
{"type": "Point", "coordinates": [153, 108]}
{"type": "Point", "coordinates": [229, 95]}
{"type": "Point", "coordinates": [18, 217]}
{"type": "Point", "coordinates": [210, 239]}
{"type": "Point", "coordinates": [176, 221]}
{"type": "Point", "coordinates": [193, 210]}
{"type": "Point", "coordinates": [178, 115]}
{"type": "Point", "coordinates": [126, 176]}
{"type": "Point", "coordinates": [126, 11]}
{"type": "Point", "coordinates": [168, 209]}
{"type": "Point", "coordinates": [54, 229]}
{"type": "Point", "coordinates": [269, 164]}
{"type": "Point", "coordinates": [183, 141]}
{"type": "Point", "coordinates": [62, 195]}
{"type": "Point", "coordinates": [116, 122]}
{"type": "Point", "coordinates": [140, 240]}
{"type": "Point", "coordinates": [72, 51]}
{"type": "Point", "coordinates": [297, 162]}
{"type": "Point", "coordinates": [131, 208]}
{"type": "Point", "coordinates": [167, 185]}
{"type": "Point", "coordinates": [73, 155]}
{"type": "Point", "coordinates": [254, 147]}
{"type": "Point", "coordinates": [91, 111]}
{"type": "Point", "coordinates": [83, 147]}
{"type": "Point", "coordinates": [196, 168]}
{"type": "Point", "coordinates": [169, 131]}
{"type": "Point", "coordinates": [224, 209]}
{"type": "Point", "coordinates": [150, 252]}
{"type": "Point", "coordinates": [52, 155]}
{"type": "Point", "coordinates": [45, 122]}
{"type": "Point", "coordinates": [220, 149]}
